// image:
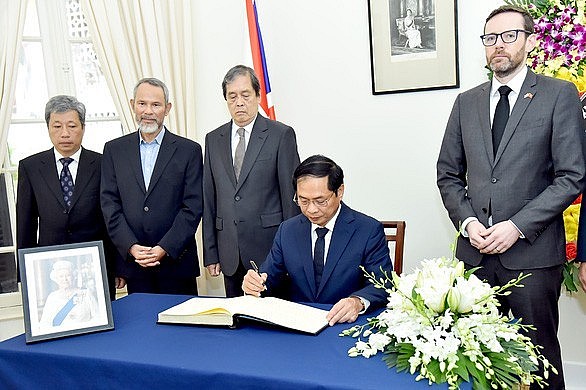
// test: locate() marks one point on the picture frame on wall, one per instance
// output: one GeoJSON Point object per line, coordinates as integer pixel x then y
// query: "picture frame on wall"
{"type": "Point", "coordinates": [64, 290]}
{"type": "Point", "coordinates": [413, 45]}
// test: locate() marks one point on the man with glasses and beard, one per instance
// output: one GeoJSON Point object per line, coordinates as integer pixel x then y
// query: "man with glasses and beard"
{"type": "Point", "coordinates": [151, 198]}
{"type": "Point", "coordinates": [318, 254]}
{"type": "Point", "coordinates": [511, 161]}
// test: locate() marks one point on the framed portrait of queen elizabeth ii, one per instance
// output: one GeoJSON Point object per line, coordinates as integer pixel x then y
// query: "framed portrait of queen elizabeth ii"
{"type": "Point", "coordinates": [64, 290]}
{"type": "Point", "coordinates": [413, 45]}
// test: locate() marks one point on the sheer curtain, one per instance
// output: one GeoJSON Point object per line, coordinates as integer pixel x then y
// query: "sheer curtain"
{"type": "Point", "coordinates": [11, 26]}
{"type": "Point", "coordinates": [150, 38]}
{"type": "Point", "coordinates": [146, 38]}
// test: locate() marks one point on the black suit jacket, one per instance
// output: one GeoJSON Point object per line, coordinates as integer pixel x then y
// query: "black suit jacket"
{"type": "Point", "coordinates": [166, 214]}
{"type": "Point", "coordinates": [40, 205]}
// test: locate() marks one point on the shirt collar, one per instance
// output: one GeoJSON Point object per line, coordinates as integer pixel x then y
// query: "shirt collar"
{"type": "Point", "coordinates": [247, 128]}
{"type": "Point", "coordinates": [158, 139]}
{"type": "Point", "coordinates": [75, 156]}
{"type": "Point", "coordinates": [515, 83]}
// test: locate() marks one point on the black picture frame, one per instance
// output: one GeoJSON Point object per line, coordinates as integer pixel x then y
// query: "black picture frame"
{"type": "Point", "coordinates": [64, 290]}
{"type": "Point", "coordinates": [416, 52]}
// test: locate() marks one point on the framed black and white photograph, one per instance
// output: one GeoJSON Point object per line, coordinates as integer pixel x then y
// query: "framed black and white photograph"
{"type": "Point", "coordinates": [64, 290]}
{"type": "Point", "coordinates": [413, 45]}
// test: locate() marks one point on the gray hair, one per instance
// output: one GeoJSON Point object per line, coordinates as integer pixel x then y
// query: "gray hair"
{"type": "Point", "coordinates": [64, 103]}
{"type": "Point", "coordinates": [241, 70]}
{"type": "Point", "coordinates": [155, 83]}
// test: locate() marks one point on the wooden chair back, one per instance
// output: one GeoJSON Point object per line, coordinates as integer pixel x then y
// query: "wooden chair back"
{"type": "Point", "coordinates": [395, 233]}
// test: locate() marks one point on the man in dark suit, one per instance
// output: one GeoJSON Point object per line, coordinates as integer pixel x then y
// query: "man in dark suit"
{"type": "Point", "coordinates": [507, 196]}
{"type": "Point", "coordinates": [46, 212]}
{"type": "Point", "coordinates": [326, 272]}
{"type": "Point", "coordinates": [247, 182]}
{"type": "Point", "coordinates": [152, 198]}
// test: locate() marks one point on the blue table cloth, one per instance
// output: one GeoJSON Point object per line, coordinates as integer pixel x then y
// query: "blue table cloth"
{"type": "Point", "coordinates": [141, 354]}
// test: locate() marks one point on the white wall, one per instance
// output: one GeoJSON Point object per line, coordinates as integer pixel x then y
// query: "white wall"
{"type": "Point", "coordinates": [319, 65]}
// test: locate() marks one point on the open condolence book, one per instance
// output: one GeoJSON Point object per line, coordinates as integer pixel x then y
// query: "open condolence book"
{"type": "Point", "coordinates": [226, 311]}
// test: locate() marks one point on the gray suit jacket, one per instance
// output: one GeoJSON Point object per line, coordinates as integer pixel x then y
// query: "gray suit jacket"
{"type": "Point", "coordinates": [537, 172]}
{"type": "Point", "coordinates": [240, 219]}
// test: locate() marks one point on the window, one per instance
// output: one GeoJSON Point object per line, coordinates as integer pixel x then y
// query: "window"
{"type": "Point", "coordinates": [57, 57]}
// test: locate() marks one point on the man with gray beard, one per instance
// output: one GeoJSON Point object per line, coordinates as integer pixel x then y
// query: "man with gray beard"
{"type": "Point", "coordinates": [151, 196]}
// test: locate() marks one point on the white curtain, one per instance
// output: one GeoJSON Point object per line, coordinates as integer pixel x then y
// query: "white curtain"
{"type": "Point", "coordinates": [146, 38]}
{"type": "Point", "coordinates": [150, 38]}
{"type": "Point", "coordinates": [12, 17]}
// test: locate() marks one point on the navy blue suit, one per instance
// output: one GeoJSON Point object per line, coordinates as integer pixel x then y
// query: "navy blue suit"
{"type": "Point", "coordinates": [357, 240]}
{"type": "Point", "coordinates": [165, 214]}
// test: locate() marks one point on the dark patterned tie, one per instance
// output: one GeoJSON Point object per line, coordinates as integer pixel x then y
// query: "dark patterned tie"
{"type": "Point", "coordinates": [239, 153]}
{"type": "Point", "coordinates": [501, 116]}
{"type": "Point", "coordinates": [66, 181]}
{"type": "Point", "coordinates": [318, 255]}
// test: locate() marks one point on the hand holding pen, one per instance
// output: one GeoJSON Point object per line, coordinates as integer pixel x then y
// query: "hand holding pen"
{"type": "Point", "coordinates": [254, 281]}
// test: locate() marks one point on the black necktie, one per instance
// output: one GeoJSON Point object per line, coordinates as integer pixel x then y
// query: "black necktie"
{"type": "Point", "coordinates": [318, 255]}
{"type": "Point", "coordinates": [66, 181]}
{"type": "Point", "coordinates": [501, 116]}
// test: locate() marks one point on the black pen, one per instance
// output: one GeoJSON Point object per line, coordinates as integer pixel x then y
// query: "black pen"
{"type": "Point", "coordinates": [255, 267]}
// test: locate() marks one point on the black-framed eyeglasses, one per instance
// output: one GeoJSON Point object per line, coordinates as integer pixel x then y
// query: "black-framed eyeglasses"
{"type": "Point", "coordinates": [508, 36]}
{"type": "Point", "coordinates": [317, 202]}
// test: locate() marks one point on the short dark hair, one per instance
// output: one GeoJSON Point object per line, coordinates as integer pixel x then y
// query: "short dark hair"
{"type": "Point", "coordinates": [241, 70]}
{"type": "Point", "coordinates": [155, 83]}
{"type": "Point", "coordinates": [320, 166]}
{"type": "Point", "coordinates": [528, 22]}
{"type": "Point", "coordinates": [64, 103]}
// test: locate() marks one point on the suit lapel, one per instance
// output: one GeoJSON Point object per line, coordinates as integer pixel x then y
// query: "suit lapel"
{"type": "Point", "coordinates": [303, 236]}
{"type": "Point", "coordinates": [483, 104]}
{"type": "Point", "coordinates": [48, 171]}
{"type": "Point", "coordinates": [343, 232]}
{"type": "Point", "coordinates": [225, 144]}
{"type": "Point", "coordinates": [257, 139]}
{"type": "Point", "coordinates": [86, 169]}
{"type": "Point", "coordinates": [529, 86]}
{"type": "Point", "coordinates": [166, 151]}
{"type": "Point", "coordinates": [133, 156]}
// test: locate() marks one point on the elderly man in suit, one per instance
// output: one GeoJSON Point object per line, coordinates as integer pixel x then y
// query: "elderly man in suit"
{"type": "Point", "coordinates": [318, 255]}
{"type": "Point", "coordinates": [506, 188]}
{"type": "Point", "coordinates": [248, 166]}
{"type": "Point", "coordinates": [58, 196]}
{"type": "Point", "coordinates": [152, 198]}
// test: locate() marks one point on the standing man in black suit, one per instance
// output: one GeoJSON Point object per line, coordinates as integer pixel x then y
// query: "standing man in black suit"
{"type": "Point", "coordinates": [249, 163]}
{"type": "Point", "coordinates": [506, 188]}
{"type": "Point", "coordinates": [58, 196]}
{"type": "Point", "coordinates": [152, 198]}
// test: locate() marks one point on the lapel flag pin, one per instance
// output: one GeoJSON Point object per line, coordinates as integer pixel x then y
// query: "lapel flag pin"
{"type": "Point", "coordinates": [528, 95]}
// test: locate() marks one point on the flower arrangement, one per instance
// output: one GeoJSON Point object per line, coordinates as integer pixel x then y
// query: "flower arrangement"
{"type": "Point", "coordinates": [560, 27]}
{"type": "Point", "coordinates": [443, 323]}
{"type": "Point", "coordinates": [571, 218]}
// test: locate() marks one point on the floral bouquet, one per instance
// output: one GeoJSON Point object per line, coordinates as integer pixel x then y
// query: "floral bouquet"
{"type": "Point", "coordinates": [443, 323]}
{"type": "Point", "coordinates": [571, 218]}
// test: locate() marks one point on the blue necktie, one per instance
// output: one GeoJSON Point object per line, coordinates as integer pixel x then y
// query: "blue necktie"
{"type": "Point", "coordinates": [501, 116]}
{"type": "Point", "coordinates": [318, 255]}
{"type": "Point", "coordinates": [66, 181]}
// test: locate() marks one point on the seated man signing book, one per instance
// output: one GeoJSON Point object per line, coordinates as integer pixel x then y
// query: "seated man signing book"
{"type": "Point", "coordinates": [318, 254]}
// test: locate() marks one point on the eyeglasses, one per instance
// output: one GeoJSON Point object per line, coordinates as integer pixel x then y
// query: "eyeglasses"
{"type": "Point", "coordinates": [317, 203]}
{"type": "Point", "coordinates": [509, 36]}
